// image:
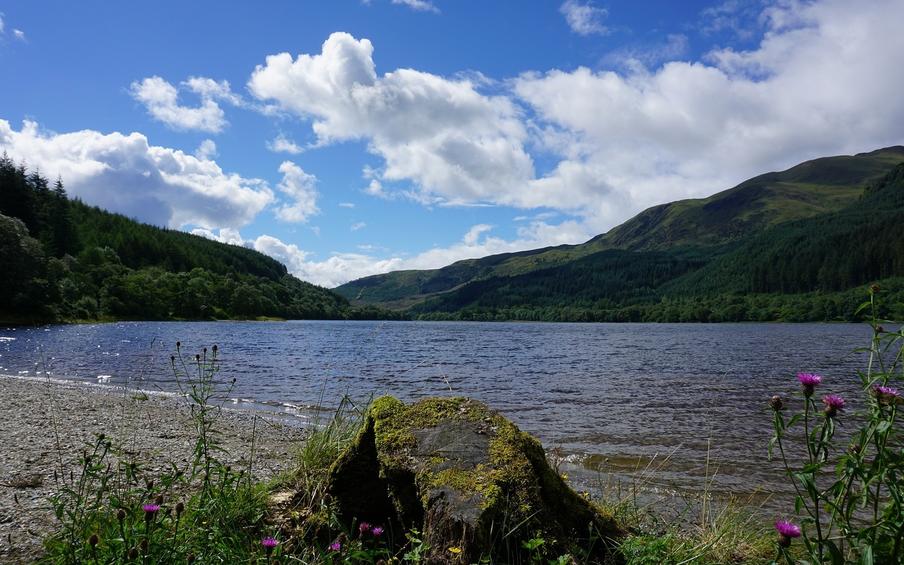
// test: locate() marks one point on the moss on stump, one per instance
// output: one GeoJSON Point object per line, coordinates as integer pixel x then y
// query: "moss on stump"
{"type": "Point", "coordinates": [475, 485]}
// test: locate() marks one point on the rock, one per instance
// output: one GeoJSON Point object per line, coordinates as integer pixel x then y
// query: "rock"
{"type": "Point", "coordinates": [473, 484]}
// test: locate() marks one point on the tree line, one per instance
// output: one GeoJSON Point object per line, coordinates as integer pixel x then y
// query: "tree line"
{"type": "Point", "coordinates": [63, 260]}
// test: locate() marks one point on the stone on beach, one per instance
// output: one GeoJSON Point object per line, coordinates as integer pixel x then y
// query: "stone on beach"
{"type": "Point", "coordinates": [468, 479]}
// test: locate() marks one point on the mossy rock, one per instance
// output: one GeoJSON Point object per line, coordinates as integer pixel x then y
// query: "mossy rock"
{"type": "Point", "coordinates": [469, 480]}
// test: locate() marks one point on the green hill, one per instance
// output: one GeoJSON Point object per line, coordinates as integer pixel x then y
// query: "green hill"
{"type": "Point", "coordinates": [64, 260]}
{"type": "Point", "coordinates": [687, 250]}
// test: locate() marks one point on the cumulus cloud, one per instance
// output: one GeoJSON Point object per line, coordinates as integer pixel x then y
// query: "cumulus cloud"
{"type": "Point", "coordinates": [358, 226]}
{"type": "Point", "coordinates": [299, 186]}
{"type": "Point", "coordinates": [161, 99]}
{"type": "Point", "coordinates": [206, 150]}
{"type": "Point", "coordinates": [282, 144]}
{"type": "Point", "coordinates": [126, 174]}
{"type": "Point", "coordinates": [443, 135]}
{"type": "Point", "coordinates": [631, 140]}
{"type": "Point", "coordinates": [19, 34]}
{"type": "Point", "coordinates": [584, 18]}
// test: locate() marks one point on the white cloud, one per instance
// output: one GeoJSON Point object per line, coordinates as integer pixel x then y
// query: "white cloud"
{"type": "Point", "coordinates": [125, 174]}
{"type": "Point", "coordinates": [640, 57]}
{"type": "Point", "coordinates": [207, 150]}
{"type": "Point", "coordinates": [631, 140]}
{"type": "Point", "coordinates": [419, 5]}
{"type": "Point", "coordinates": [442, 135]}
{"type": "Point", "coordinates": [161, 99]}
{"type": "Point", "coordinates": [299, 186]}
{"type": "Point", "coordinates": [2, 23]}
{"type": "Point", "coordinates": [358, 226]}
{"type": "Point", "coordinates": [19, 34]}
{"type": "Point", "coordinates": [584, 18]}
{"type": "Point", "coordinates": [738, 16]}
{"type": "Point", "coordinates": [346, 204]}
{"type": "Point", "coordinates": [282, 144]}
{"type": "Point", "coordinates": [209, 89]}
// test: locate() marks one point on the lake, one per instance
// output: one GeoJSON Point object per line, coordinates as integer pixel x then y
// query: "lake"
{"type": "Point", "coordinates": [612, 399]}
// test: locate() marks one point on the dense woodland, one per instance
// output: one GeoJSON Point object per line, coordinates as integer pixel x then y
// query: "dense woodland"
{"type": "Point", "coordinates": [65, 260]}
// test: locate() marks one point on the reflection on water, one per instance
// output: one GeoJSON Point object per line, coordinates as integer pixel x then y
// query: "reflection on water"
{"type": "Point", "coordinates": [614, 398]}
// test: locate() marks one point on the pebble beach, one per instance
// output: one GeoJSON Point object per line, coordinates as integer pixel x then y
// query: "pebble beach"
{"type": "Point", "coordinates": [45, 424]}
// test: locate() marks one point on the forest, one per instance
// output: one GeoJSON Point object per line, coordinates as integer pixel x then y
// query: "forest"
{"type": "Point", "coordinates": [63, 260]}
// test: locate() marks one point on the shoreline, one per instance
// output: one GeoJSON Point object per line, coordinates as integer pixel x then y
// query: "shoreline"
{"type": "Point", "coordinates": [45, 422]}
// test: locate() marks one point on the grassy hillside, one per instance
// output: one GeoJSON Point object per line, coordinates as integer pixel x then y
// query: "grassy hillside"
{"type": "Point", "coordinates": [693, 231]}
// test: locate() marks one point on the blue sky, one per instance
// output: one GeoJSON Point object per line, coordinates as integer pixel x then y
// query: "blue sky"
{"type": "Point", "coordinates": [348, 138]}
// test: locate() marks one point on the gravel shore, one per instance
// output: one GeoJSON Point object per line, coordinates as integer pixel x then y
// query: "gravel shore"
{"type": "Point", "coordinates": [44, 424]}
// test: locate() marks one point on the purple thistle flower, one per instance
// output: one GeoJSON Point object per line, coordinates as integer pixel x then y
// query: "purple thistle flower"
{"type": "Point", "coordinates": [335, 546]}
{"type": "Point", "coordinates": [786, 532]}
{"type": "Point", "coordinates": [364, 527]}
{"type": "Point", "coordinates": [377, 532]}
{"type": "Point", "coordinates": [886, 394]}
{"type": "Point", "coordinates": [269, 544]}
{"type": "Point", "coordinates": [811, 379]}
{"type": "Point", "coordinates": [150, 511]}
{"type": "Point", "coordinates": [834, 404]}
{"type": "Point", "coordinates": [808, 382]}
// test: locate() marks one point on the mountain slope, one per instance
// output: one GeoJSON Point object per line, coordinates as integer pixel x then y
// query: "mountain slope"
{"type": "Point", "coordinates": [62, 259]}
{"type": "Point", "coordinates": [714, 224]}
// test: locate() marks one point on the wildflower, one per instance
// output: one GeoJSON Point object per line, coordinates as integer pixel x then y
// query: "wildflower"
{"type": "Point", "coordinates": [455, 550]}
{"type": "Point", "coordinates": [886, 394]}
{"type": "Point", "coordinates": [834, 404]}
{"type": "Point", "coordinates": [874, 288]}
{"type": "Point", "coordinates": [335, 546]}
{"type": "Point", "coordinates": [776, 403]}
{"type": "Point", "coordinates": [786, 532]}
{"type": "Point", "coordinates": [377, 532]}
{"type": "Point", "coordinates": [150, 511]}
{"type": "Point", "coordinates": [808, 382]}
{"type": "Point", "coordinates": [364, 527]}
{"type": "Point", "coordinates": [269, 544]}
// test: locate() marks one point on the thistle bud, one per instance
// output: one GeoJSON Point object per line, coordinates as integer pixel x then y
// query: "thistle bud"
{"type": "Point", "coordinates": [776, 403]}
{"type": "Point", "coordinates": [121, 515]}
{"type": "Point", "coordinates": [92, 541]}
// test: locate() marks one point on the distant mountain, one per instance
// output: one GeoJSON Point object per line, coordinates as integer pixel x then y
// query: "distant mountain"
{"type": "Point", "coordinates": [64, 260]}
{"type": "Point", "coordinates": [690, 248]}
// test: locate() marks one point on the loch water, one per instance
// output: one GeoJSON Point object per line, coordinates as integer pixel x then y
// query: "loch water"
{"type": "Point", "coordinates": [683, 406]}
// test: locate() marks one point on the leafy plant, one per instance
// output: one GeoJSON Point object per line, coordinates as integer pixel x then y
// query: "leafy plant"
{"type": "Point", "coordinates": [850, 504]}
